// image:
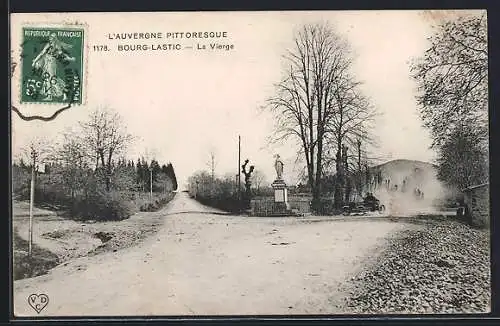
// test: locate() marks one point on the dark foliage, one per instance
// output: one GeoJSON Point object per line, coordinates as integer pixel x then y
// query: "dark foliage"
{"type": "Point", "coordinates": [81, 192]}
{"type": "Point", "coordinates": [41, 261]}
{"type": "Point", "coordinates": [229, 203]}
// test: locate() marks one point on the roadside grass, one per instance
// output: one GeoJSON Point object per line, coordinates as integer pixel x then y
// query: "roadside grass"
{"type": "Point", "coordinates": [143, 202]}
{"type": "Point", "coordinates": [70, 237]}
{"type": "Point", "coordinates": [40, 262]}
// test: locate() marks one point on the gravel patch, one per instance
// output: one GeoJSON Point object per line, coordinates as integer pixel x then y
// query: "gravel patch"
{"type": "Point", "coordinates": [438, 266]}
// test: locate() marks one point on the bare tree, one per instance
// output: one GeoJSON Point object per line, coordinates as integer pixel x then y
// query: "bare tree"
{"type": "Point", "coordinates": [258, 178]}
{"type": "Point", "coordinates": [105, 136]}
{"type": "Point", "coordinates": [72, 151]}
{"type": "Point", "coordinates": [72, 157]}
{"type": "Point", "coordinates": [318, 102]}
{"type": "Point", "coordinates": [352, 122]}
{"type": "Point", "coordinates": [198, 183]}
{"type": "Point", "coordinates": [38, 152]}
{"type": "Point", "coordinates": [212, 163]}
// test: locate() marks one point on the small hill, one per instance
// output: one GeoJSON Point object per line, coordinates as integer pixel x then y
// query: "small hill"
{"type": "Point", "coordinates": [399, 181]}
{"type": "Point", "coordinates": [403, 163]}
{"type": "Point", "coordinates": [396, 171]}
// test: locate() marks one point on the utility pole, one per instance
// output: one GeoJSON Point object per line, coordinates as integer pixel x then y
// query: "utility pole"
{"type": "Point", "coordinates": [212, 165]}
{"type": "Point", "coordinates": [239, 169]}
{"type": "Point", "coordinates": [360, 178]}
{"type": "Point", "coordinates": [150, 155]}
{"type": "Point", "coordinates": [151, 182]}
{"type": "Point", "coordinates": [34, 155]}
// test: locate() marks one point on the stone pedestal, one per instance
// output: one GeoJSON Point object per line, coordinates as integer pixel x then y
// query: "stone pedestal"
{"type": "Point", "coordinates": [280, 195]}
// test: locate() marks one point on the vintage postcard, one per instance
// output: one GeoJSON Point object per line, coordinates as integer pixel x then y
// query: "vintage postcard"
{"type": "Point", "coordinates": [250, 163]}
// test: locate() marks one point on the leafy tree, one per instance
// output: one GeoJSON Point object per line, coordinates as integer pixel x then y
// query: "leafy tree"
{"type": "Point", "coordinates": [163, 183]}
{"type": "Point", "coordinates": [155, 169]}
{"type": "Point", "coordinates": [258, 178]}
{"type": "Point", "coordinates": [462, 162]}
{"type": "Point", "coordinates": [124, 177]}
{"type": "Point", "coordinates": [452, 77]}
{"type": "Point", "coordinates": [199, 184]}
{"type": "Point", "coordinates": [169, 171]}
{"type": "Point", "coordinates": [21, 178]}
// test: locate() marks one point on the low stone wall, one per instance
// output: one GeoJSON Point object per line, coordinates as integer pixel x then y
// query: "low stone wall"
{"type": "Point", "coordinates": [265, 206]}
{"type": "Point", "coordinates": [477, 199]}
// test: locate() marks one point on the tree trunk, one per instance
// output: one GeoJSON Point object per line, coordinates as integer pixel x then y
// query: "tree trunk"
{"type": "Point", "coordinates": [319, 161]}
{"type": "Point", "coordinates": [360, 172]}
{"type": "Point", "coordinates": [108, 171]}
{"type": "Point", "coordinates": [347, 181]}
{"type": "Point", "coordinates": [101, 155]}
{"type": "Point", "coordinates": [339, 181]}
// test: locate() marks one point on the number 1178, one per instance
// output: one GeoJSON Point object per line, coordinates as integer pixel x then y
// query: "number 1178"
{"type": "Point", "coordinates": [100, 48]}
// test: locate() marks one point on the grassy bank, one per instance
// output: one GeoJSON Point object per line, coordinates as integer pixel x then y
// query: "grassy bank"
{"type": "Point", "coordinates": [144, 203]}
{"type": "Point", "coordinates": [58, 240]}
{"type": "Point", "coordinates": [39, 263]}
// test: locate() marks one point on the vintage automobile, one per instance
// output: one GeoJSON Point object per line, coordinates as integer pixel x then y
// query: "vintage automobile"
{"type": "Point", "coordinates": [369, 204]}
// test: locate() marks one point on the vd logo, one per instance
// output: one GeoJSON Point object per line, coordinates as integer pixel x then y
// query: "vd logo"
{"type": "Point", "coordinates": [38, 301]}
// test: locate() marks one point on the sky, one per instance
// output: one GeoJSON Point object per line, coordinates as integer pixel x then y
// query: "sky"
{"type": "Point", "coordinates": [182, 105]}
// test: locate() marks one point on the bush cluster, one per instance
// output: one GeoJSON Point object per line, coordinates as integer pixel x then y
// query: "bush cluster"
{"type": "Point", "coordinates": [225, 202]}
{"type": "Point", "coordinates": [87, 197]}
{"type": "Point", "coordinates": [106, 206]}
{"type": "Point", "coordinates": [156, 204]}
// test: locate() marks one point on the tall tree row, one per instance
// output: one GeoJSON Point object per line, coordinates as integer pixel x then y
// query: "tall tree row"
{"type": "Point", "coordinates": [319, 103]}
{"type": "Point", "coordinates": [88, 172]}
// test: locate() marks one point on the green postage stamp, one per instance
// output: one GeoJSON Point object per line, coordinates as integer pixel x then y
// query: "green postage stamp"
{"type": "Point", "coordinates": [52, 65]}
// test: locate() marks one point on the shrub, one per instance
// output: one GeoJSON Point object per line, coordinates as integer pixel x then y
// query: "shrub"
{"type": "Point", "coordinates": [103, 206]}
{"type": "Point", "coordinates": [264, 191]}
{"type": "Point", "coordinates": [157, 204]}
{"type": "Point", "coordinates": [111, 206]}
{"type": "Point", "coordinates": [325, 207]}
{"type": "Point", "coordinates": [51, 194]}
{"type": "Point", "coordinates": [224, 201]}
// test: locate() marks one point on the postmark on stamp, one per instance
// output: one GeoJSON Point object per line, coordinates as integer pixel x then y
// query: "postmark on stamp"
{"type": "Point", "coordinates": [52, 65]}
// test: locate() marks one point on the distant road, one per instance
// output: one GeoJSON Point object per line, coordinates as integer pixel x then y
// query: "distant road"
{"type": "Point", "coordinates": [205, 263]}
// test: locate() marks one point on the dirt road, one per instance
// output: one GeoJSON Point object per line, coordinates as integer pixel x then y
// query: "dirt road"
{"type": "Point", "coordinates": [205, 263]}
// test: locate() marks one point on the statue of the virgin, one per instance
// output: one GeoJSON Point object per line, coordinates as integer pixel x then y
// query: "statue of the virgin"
{"type": "Point", "coordinates": [278, 165]}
